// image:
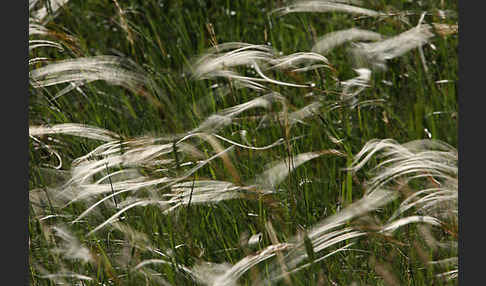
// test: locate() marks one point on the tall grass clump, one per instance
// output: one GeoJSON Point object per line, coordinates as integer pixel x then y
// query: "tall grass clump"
{"type": "Point", "coordinates": [243, 143]}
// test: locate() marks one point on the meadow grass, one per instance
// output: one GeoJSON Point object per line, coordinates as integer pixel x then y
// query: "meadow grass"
{"type": "Point", "coordinates": [243, 142]}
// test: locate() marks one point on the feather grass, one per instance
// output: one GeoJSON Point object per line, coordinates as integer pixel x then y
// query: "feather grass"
{"type": "Point", "coordinates": [105, 186]}
{"type": "Point", "coordinates": [216, 63]}
{"type": "Point", "coordinates": [435, 164]}
{"type": "Point", "coordinates": [376, 54]}
{"type": "Point", "coordinates": [81, 130]}
{"type": "Point", "coordinates": [271, 177]}
{"type": "Point", "coordinates": [112, 69]}
{"type": "Point", "coordinates": [42, 13]}
{"type": "Point", "coordinates": [331, 40]}
{"type": "Point", "coordinates": [70, 247]}
{"type": "Point", "coordinates": [322, 6]}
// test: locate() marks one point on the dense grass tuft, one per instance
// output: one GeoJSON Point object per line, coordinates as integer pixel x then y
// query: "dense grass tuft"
{"type": "Point", "coordinates": [243, 142]}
